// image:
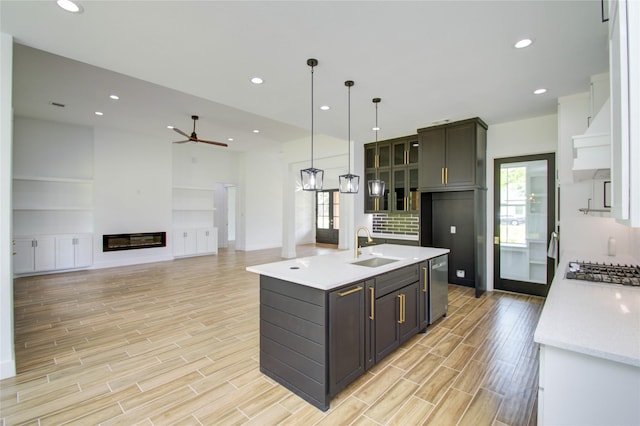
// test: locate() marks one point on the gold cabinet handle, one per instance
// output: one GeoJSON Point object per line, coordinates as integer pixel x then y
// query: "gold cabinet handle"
{"type": "Point", "coordinates": [424, 286]}
{"type": "Point", "coordinates": [442, 175]}
{"type": "Point", "coordinates": [446, 175]}
{"type": "Point", "coordinates": [400, 309]}
{"type": "Point", "coordinates": [353, 290]}
{"type": "Point", "coordinates": [376, 161]}
{"type": "Point", "coordinates": [404, 308]}
{"type": "Point", "coordinates": [373, 302]}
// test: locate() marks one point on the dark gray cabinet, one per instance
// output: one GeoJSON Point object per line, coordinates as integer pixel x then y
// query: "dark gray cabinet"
{"type": "Point", "coordinates": [316, 342]}
{"type": "Point", "coordinates": [404, 169]}
{"type": "Point", "coordinates": [452, 156]}
{"type": "Point", "coordinates": [396, 162]}
{"type": "Point", "coordinates": [377, 164]}
{"type": "Point", "coordinates": [347, 327]}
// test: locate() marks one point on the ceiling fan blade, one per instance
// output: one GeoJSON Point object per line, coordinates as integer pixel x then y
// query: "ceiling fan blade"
{"type": "Point", "coordinates": [181, 132]}
{"type": "Point", "coordinates": [188, 140]}
{"type": "Point", "coordinates": [212, 142]}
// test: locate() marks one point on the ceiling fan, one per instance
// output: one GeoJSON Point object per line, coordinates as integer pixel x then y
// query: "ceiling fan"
{"type": "Point", "coordinates": [194, 137]}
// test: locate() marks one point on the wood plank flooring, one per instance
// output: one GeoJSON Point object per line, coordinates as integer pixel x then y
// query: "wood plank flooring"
{"type": "Point", "coordinates": [177, 343]}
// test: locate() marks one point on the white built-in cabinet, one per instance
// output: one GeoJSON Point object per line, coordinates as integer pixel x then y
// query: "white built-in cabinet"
{"type": "Point", "coordinates": [624, 67]}
{"type": "Point", "coordinates": [579, 389]}
{"type": "Point", "coordinates": [193, 221]}
{"type": "Point", "coordinates": [74, 251]}
{"type": "Point", "coordinates": [34, 254]}
{"type": "Point", "coordinates": [46, 253]}
{"type": "Point", "coordinates": [52, 223]}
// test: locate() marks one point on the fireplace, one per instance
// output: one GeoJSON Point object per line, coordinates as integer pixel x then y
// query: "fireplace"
{"type": "Point", "coordinates": [116, 242]}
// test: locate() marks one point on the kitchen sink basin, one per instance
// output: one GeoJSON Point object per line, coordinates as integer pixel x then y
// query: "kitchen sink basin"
{"type": "Point", "coordinates": [375, 262]}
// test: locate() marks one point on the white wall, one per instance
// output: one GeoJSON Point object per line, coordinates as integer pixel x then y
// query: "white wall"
{"type": "Point", "coordinates": [524, 137]}
{"type": "Point", "coordinates": [580, 232]}
{"type": "Point", "coordinates": [7, 354]}
{"type": "Point", "coordinates": [262, 196]}
{"type": "Point", "coordinates": [132, 193]}
{"type": "Point", "coordinates": [330, 154]}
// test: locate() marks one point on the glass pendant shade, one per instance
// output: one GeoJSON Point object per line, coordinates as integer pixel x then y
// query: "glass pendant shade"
{"type": "Point", "coordinates": [349, 183]}
{"type": "Point", "coordinates": [311, 179]}
{"type": "Point", "coordinates": [376, 188]}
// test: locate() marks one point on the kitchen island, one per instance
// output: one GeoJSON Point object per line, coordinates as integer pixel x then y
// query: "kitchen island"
{"type": "Point", "coordinates": [589, 336]}
{"type": "Point", "coordinates": [325, 320]}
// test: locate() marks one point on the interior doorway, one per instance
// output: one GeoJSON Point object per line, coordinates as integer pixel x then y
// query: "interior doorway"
{"type": "Point", "coordinates": [524, 206]}
{"type": "Point", "coordinates": [327, 216]}
{"type": "Point", "coordinates": [231, 214]}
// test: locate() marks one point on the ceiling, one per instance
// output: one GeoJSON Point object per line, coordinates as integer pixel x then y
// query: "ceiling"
{"type": "Point", "coordinates": [427, 60]}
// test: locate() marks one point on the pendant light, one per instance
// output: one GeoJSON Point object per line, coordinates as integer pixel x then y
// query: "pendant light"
{"type": "Point", "coordinates": [349, 183]}
{"type": "Point", "coordinates": [376, 186]}
{"type": "Point", "coordinates": [311, 177]}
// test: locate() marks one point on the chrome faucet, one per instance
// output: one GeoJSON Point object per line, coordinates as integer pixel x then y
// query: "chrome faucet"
{"type": "Point", "coordinates": [369, 239]}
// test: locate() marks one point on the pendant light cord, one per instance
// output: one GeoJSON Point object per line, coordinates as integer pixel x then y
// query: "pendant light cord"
{"type": "Point", "coordinates": [312, 116]}
{"type": "Point", "coordinates": [349, 130]}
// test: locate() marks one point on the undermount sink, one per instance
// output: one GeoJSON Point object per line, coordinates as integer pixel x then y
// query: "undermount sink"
{"type": "Point", "coordinates": [375, 262]}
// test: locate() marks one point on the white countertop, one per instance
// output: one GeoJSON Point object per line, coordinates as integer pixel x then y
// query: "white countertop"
{"type": "Point", "coordinates": [601, 320]}
{"type": "Point", "coordinates": [332, 270]}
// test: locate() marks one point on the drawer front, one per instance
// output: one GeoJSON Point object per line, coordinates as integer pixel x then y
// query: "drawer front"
{"type": "Point", "coordinates": [394, 280]}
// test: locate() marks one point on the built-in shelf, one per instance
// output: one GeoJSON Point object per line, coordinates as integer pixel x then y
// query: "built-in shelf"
{"type": "Point", "coordinates": [52, 179]}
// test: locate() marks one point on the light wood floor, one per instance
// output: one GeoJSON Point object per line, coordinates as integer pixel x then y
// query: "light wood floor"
{"type": "Point", "coordinates": [177, 343]}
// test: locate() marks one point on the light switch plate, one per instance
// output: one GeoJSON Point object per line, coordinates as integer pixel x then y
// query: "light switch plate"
{"type": "Point", "coordinates": [453, 229]}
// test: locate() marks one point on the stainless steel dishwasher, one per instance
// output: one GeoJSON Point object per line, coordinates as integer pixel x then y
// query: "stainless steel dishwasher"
{"type": "Point", "coordinates": [438, 287]}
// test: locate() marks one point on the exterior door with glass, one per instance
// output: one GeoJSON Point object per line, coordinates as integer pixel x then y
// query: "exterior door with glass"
{"type": "Point", "coordinates": [524, 200]}
{"type": "Point", "coordinates": [327, 216]}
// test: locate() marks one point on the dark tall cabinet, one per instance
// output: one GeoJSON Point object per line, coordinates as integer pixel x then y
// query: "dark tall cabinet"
{"type": "Point", "coordinates": [453, 156]}
{"type": "Point", "coordinates": [453, 197]}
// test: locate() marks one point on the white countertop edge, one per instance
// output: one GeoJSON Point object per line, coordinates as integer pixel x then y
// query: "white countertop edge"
{"type": "Point", "coordinates": [575, 310]}
{"type": "Point", "coordinates": [588, 351]}
{"type": "Point", "coordinates": [334, 270]}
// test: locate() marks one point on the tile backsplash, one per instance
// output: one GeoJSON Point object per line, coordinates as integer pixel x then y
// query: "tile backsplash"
{"type": "Point", "coordinates": [398, 224]}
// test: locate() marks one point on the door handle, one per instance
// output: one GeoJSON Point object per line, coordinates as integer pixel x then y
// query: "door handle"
{"type": "Point", "coordinates": [496, 241]}
{"type": "Point", "coordinates": [348, 292]}
{"type": "Point", "coordinates": [446, 175]}
{"type": "Point", "coordinates": [373, 302]}
{"type": "Point", "coordinates": [442, 175]}
{"type": "Point", "coordinates": [424, 287]}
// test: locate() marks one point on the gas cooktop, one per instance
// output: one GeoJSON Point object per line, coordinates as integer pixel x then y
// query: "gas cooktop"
{"type": "Point", "coordinates": [604, 273]}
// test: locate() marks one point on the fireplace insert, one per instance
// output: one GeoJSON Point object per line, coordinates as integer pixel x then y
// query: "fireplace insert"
{"type": "Point", "coordinates": [116, 242]}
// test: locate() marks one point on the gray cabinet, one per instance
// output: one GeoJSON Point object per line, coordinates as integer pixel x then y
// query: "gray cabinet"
{"type": "Point", "coordinates": [346, 336]}
{"type": "Point", "coordinates": [316, 342]}
{"type": "Point", "coordinates": [396, 162]}
{"type": "Point", "coordinates": [377, 165]}
{"type": "Point", "coordinates": [452, 156]}
{"type": "Point", "coordinates": [404, 171]}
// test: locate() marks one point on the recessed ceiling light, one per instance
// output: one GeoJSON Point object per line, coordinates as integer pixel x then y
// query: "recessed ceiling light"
{"type": "Point", "coordinates": [99, 113]}
{"type": "Point", "coordinates": [539, 91]}
{"type": "Point", "coordinates": [325, 107]}
{"type": "Point", "coordinates": [257, 80]}
{"type": "Point", "coordinates": [375, 129]}
{"type": "Point", "coordinates": [70, 6]}
{"type": "Point", "coordinates": [525, 42]}
{"type": "Point", "coordinates": [169, 127]}
{"type": "Point", "coordinates": [256, 131]}
{"type": "Point", "coordinates": [230, 139]}
{"type": "Point", "coordinates": [114, 97]}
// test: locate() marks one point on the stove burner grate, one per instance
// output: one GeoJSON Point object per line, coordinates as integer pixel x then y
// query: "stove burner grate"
{"type": "Point", "coordinates": [606, 273]}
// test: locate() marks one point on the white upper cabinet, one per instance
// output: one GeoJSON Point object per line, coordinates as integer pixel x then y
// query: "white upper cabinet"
{"type": "Point", "coordinates": [624, 61]}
